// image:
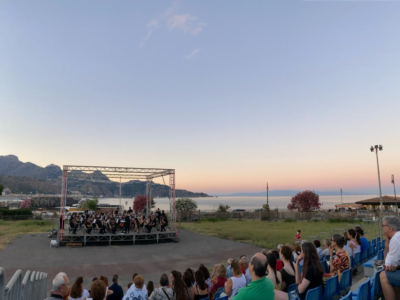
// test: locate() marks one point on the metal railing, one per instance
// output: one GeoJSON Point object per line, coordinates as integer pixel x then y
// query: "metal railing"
{"type": "Point", "coordinates": [31, 287]}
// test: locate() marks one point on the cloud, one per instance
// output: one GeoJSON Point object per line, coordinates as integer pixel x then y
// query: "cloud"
{"type": "Point", "coordinates": [187, 23]}
{"type": "Point", "coordinates": [193, 53]}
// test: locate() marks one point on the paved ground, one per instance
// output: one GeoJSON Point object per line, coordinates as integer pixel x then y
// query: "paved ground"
{"type": "Point", "coordinates": [33, 252]}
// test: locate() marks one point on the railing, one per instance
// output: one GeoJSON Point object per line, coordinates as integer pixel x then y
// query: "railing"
{"type": "Point", "coordinates": [31, 287]}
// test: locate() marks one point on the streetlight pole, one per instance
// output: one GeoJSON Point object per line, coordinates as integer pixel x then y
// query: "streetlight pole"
{"type": "Point", "coordinates": [341, 198]}
{"type": "Point", "coordinates": [267, 194]}
{"type": "Point", "coordinates": [379, 175]}
{"type": "Point", "coordinates": [395, 199]}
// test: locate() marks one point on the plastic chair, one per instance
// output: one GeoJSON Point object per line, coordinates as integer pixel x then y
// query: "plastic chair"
{"type": "Point", "coordinates": [327, 258]}
{"type": "Point", "coordinates": [377, 247]}
{"type": "Point", "coordinates": [291, 288]}
{"type": "Point", "coordinates": [364, 255]}
{"type": "Point", "coordinates": [347, 297]}
{"type": "Point", "coordinates": [376, 289]}
{"type": "Point", "coordinates": [345, 282]}
{"type": "Point", "coordinates": [357, 259]}
{"type": "Point", "coordinates": [383, 244]}
{"type": "Point", "coordinates": [222, 298]}
{"type": "Point", "coordinates": [314, 294]}
{"type": "Point", "coordinates": [331, 290]}
{"type": "Point", "coordinates": [363, 291]}
{"type": "Point", "coordinates": [378, 239]}
{"type": "Point", "coordinates": [217, 295]}
{"type": "Point", "coordinates": [325, 266]}
{"type": "Point", "coordinates": [380, 255]}
{"type": "Point", "coordinates": [370, 252]}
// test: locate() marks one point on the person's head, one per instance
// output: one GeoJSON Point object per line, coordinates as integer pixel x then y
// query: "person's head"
{"type": "Point", "coordinates": [258, 265]}
{"type": "Point", "coordinates": [94, 279]}
{"type": "Point", "coordinates": [317, 244]}
{"type": "Point", "coordinates": [221, 271]}
{"type": "Point", "coordinates": [98, 290]}
{"type": "Point", "coordinates": [276, 253]}
{"type": "Point", "coordinates": [150, 287]}
{"type": "Point", "coordinates": [190, 271]}
{"type": "Point", "coordinates": [235, 267]}
{"type": "Point", "coordinates": [354, 235]}
{"type": "Point", "coordinates": [178, 285]}
{"type": "Point", "coordinates": [77, 288]}
{"type": "Point", "coordinates": [298, 231]}
{"type": "Point", "coordinates": [311, 258]}
{"type": "Point", "coordinates": [115, 278]}
{"type": "Point", "coordinates": [297, 248]}
{"type": "Point", "coordinates": [327, 243]}
{"type": "Point", "coordinates": [187, 279]}
{"type": "Point", "coordinates": [164, 280]}
{"type": "Point", "coordinates": [346, 236]}
{"type": "Point", "coordinates": [264, 251]}
{"type": "Point", "coordinates": [337, 241]}
{"type": "Point", "coordinates": [244, 262]}
{"type": "Point", "coordinates": [359, 231]}
{"type": "Point", "coordinates": [279, 247]}
{"type": "Point", "coordinates": [133, 276]}
{"type": "Point", "coordinates": [390, 225]}
{"type": "Point", "coordinates": [229, 261]}
{"type": "Point", "coordinates": [200, 280]}
{"type": "Point", "coordinates": [105, 279]}
{"type": "Point", "coordinates": [205, 271]}
{"type": "Point", "coordinates": [61, 284]}
{"type": "Point", "coordinates": [286, 253]}
{"type": "Point", "coordinates": [138, 281]}
{"type": "Point", "coordinates": [271, 261]}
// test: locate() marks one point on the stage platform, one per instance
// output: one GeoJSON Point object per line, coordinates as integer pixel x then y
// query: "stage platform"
{"type": "Point", "coordinates": [112, 239]}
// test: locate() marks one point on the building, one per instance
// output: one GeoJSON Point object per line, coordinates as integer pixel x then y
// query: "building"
{"type": "Point", "coordinates": [389, 203]}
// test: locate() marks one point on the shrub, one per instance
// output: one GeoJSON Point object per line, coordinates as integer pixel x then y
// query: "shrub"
{"type": "Point", "coordinates": [16, 212]}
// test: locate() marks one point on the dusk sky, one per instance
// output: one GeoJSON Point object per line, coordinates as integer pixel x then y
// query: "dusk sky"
{"type": "Point", "coordinates": [231, 94]}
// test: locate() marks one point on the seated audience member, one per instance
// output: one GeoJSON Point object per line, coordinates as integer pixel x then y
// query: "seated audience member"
{"type": "Point", "coordinates": [97, 290]}
{"type": "Point", "coordinates": [162, 292]}
{"type": "Point", "coordinates": [77, 290]}
{"type": "Point", "coordinates": [190, 271]}
{"type": "Point", "coordinates": [60, 287]}
{"type": "Point", "coordinates": [118, 292]}
{"type": "Point", "coordinates": [105, 279]}
{"type": "Point", "coordinates": [187, 279]}
{"type": "Point", "coordinates": [296, 251]}
{"type": "Point", "coordinates": [218, 278]}
{"type": "Point", "coordinates": [260, 286]}
{"type": "Point", "coordinates": [363, 239]}
{"type": "Point", "coordinates": [355, 242]}
{"type": "Point", "coordinates": [341, 261]}
{"type": "Point", "coordinates": [263, 251]}
{"type": "Point", "coordinates": [178, 286]}
{"type": "Point", "coordinates": [317, 245]}
{"type": "Point", "coordinates": [137, 290]}
{"type": "Point", "coordinates": [279, 263]}
{"type": "Point", "coordinates": [150, 287]}
{"type": "Point", "coordinates": [327, 244]}
{"type": "Point", "coordinates": [287, 272]}
{"type": "Point", "coordinates": [228, 269]}
{"type": "Point", "coordinates": [390, 277]}
{"type": "Point", "coordinates": [347, 244]}
{"type": "Point", "coordinates": [244, 267]}
{"type": "Point", "coordinates": [206, 274]}
{"type": "Point", "coordinates": [200, 289]}
{"type": "Point", "coordinates": [273, 275]}
{"type": "Point", "coordinates": [236, 282]}
{"type": "Point", "coordinates": [312, 270]}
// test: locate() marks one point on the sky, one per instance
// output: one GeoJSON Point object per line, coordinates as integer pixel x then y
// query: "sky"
{"type": "Point", "coordinates": [231, 94]}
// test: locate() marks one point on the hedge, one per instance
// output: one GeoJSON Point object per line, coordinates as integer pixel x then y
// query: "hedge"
{"type": "Point", "coordinates": [16, 212]}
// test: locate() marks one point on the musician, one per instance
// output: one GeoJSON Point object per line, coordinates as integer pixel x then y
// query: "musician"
{"type": "Point", "coordinates": [164, 222]}
{"type": "Point", "coordinates": [113, 225]}
{"type": "Point", "coordinates": [73, 224]}
{"type": "Point", "coordinates": [151, 223]}
{"type": "Point", "coordinates": [140, 222]}
{"type": "Point", "coordinates": [88, 226]}
{"type": "Point", "coordinates": [158, 215]}
{"type": "Point", "coordinates": [127, 223]}
{"type": "Point", "coordinates": [122, 224]}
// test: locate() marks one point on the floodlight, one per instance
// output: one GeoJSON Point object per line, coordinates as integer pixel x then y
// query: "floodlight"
{"type": "Point", "coordinates": [380, 148]}
{"type": "Point", "coordinates": [372, 149]}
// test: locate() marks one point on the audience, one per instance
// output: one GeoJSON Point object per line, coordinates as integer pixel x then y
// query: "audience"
{"type": "Point", "coordinates": [190, 271]}
{"type": "Point", "coordinates": [218, 278]}
{"type": "Point", "coordinates": [390, 277]}
{"type": "Point", "coordinates": [136, 290]}
{"type": "Point", "coordinates": [317, 245]}
{"type": "Point", "coordinates": [327, 244]}
{"type": "Point", "coordinates": [77, 290]}
{"type": "Point", "coordinates": [296, 251]}
{"type": "Point", "coordinates": [363, 239]}
{"type": "Point", "coordinates": [355, 242]}
{"type": "Point", "coordinates": [279, 263]}
{"type": "Point", "coordinates": [260, 286]}
{"type": "Point", "coordinates": [287, 272]}
{"type": "Point", "coordinates": [162, 292]}
{"type": "Point", "coordinates": [203, 269]}
{"type": "Point", "coordinates": [200, 289]}
{"type": "Point", "coordinates": [228, 269]}
{"type": "Point", "coordinates": [150, 287]}
{"type": "Point", "coordinates": [312, 270]}
{"type": "Point", "coordinates": [244, 267]}
{"type": "Point", "coordinates": [97, 290]}
{"type": "Point", "coordinates": [273, 275]}
{"type": "Point", "coordinates": [341, 261]}
{"type": "Point", "coordinates": [105, 280]}
{"type": "Point", "coordinates": [118, 292]}
{"type": "Point", "coordinates": [178, 286]}
{"type": "Point", "coordinates": [187, 279]}
{"type": "Point", "coordinates": [236, 282]}
{"type": "Point", "coordinates": [60, 287]}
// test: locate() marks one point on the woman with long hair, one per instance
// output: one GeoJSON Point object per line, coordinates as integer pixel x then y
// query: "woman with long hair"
{"type": "Point", "coordinates": [312, 270]}
{"type": "Point", "coordinates": [201, 288]}
{"type": "Point", "coordinates": [150, 287]}
{"type": "Point", "coordinates": [207, 276]}
{"type": "Point", "coordinates": [341, 261]}
{"type": "Point", "coordinates": [190, 271]}
{"type": "Point", "coordinates": [355, 241]}
{"type": "Point", "coordinates": [236, 282]}
{"type": "Point", "coordinates": [187, 279]}
{"type": "Point", "coordinates": [287, 272]}
{"type": "Point", "coordinates": [178, 286]}
{"type": "Point", "coordinates": [275, 276]}
{"type": "Point", "coordinates": [218, 278]}
{"type": "Point", "coordinates": [77, 290]}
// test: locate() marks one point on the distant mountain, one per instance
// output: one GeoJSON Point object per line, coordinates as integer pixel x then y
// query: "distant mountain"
{"type": "Point", "coordinates": [290, 193]}
{"type": "Point", "coordinates": [27, 177]}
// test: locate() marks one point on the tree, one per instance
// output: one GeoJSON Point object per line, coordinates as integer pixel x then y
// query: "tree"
{"type": "Point", "coordinates": [91, 204]}
{"type": "Point", "coordinates": [185, 204]}
{"type": "Point", "coordinates": [139, 203]}
{"type": "Point", "coordinates": [304, 201]}
{"type": "Point", "coordinates": [265, 207]}
{"type": "Point", "coordinates": [223, 208]}
{"type": "Point", "coordinates": [1, 189]}
{"type": "Point", "coordinates": [26, 203]}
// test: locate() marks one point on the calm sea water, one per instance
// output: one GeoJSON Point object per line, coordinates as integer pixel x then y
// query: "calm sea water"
{"type": "Point", "coordinates": [212, 203]}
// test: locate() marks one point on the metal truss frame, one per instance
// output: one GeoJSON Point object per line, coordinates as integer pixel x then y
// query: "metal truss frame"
{"type": "Point", "coordinates": [147, 174]}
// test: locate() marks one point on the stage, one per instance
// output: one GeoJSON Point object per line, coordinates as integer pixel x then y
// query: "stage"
{"type": "Point", "coordinates": [112, 239]}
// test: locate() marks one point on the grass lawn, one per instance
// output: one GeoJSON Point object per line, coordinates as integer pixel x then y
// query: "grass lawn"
{"type": "Point", "coordinates": [260, 233]}
{"type": "Point", "coordinates": [9, 230]}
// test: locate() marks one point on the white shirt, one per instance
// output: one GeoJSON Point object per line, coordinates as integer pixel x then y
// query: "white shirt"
{"type": "Point", "coordinates": [85, 294]}
{"type": "Point", "coordinates": [237, 284]}
{"type": "Point", "coordinates": [393, 255]}
{"type": "Point", "coordinates": [135, 293]}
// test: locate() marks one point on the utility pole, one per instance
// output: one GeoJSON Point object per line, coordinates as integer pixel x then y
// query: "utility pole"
{"type": "Point", "coordinates": [341, 198]}
{"type": "Point", "coordinates": [395, 199]}
{"type": "Point", "coordinates": [267, 194]}
{"type": "Point", "coordinates": [376, 148]}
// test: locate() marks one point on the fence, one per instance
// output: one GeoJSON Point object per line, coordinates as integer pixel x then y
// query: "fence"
{"type": "Point", "coordinates": [31, 287]}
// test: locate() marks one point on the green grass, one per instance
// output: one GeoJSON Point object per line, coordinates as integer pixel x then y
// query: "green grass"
{"type": "Point", "coordinates": [260, 233]}
{"type": "Point", "coordinates": [9, 230]}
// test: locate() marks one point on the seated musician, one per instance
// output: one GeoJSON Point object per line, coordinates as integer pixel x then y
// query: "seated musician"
{"type": "Point", "coordinates": [88, 226]}
{"type": "Point", "coordinates": [113, 225]}
{"type": "Point", "coordinates": [151, 224]}
{"type": "Point", "coordinates": [122, 224]}
{"type": "Point", "coordinates": [73, 224]}
{"type": "Point", "coordinates": [164, 222]}
{"type": "Point", "coordinates": [140, 222]}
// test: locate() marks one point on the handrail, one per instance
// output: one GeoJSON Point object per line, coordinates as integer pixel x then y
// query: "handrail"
{"type": "Point", "coordinates": [30, 287]}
